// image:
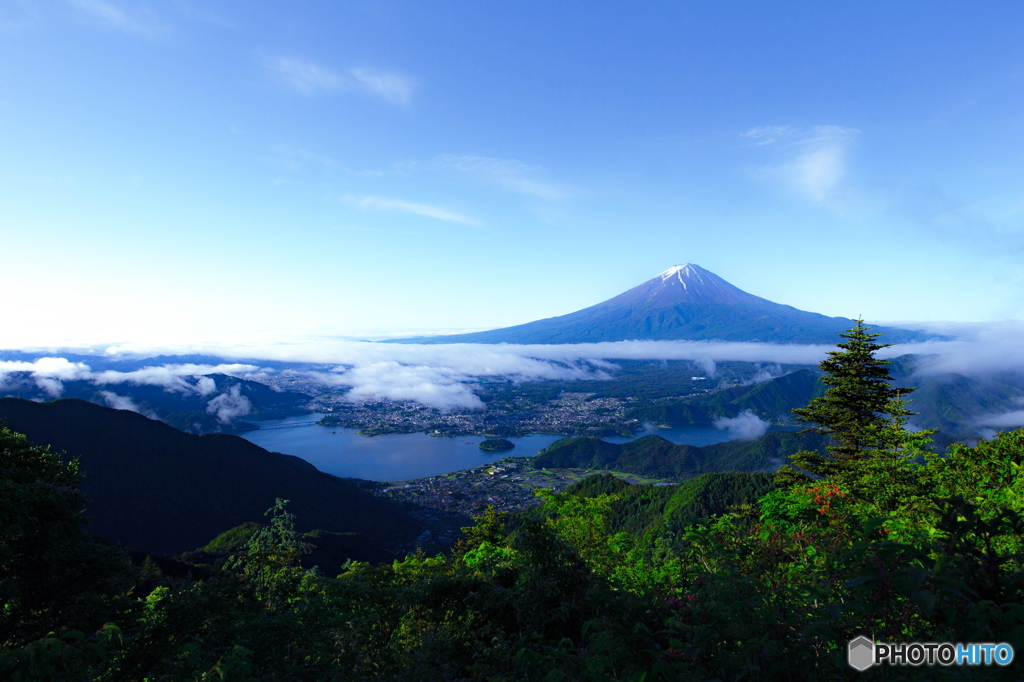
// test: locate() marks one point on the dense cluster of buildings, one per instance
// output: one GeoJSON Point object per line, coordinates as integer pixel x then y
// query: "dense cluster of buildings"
{"type": "Point", "coordinates": [507, 485]}
{"type": "Point", "coordinates": [570, 414]}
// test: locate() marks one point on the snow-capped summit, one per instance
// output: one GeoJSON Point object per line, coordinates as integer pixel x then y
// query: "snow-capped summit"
{"type": "Point", "coordinates": [681, 271]}
{"type": "Point", "coordinates": [689, 283]}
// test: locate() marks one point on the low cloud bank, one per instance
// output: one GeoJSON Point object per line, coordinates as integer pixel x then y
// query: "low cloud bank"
{"type": "Point", "coordinates": [445, 375]}
{"type": "Point", "coordinates": [49, 373]}
{"type": "Point", "coordinates": [1007, 420]}
{"type": "Point", "coordinates": [744, 426]}
{"type": "Point", "coordinates": [979, 349]}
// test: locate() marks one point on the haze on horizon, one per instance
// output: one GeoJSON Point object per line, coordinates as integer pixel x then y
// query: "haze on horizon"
{"type": "Point", "coordinates": [225, 174]}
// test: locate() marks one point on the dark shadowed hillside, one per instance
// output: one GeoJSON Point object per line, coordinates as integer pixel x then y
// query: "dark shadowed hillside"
{"type": "Point", "coordinates": [157, 489]}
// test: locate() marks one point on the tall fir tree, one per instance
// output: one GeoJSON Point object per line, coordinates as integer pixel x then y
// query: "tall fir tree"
{"type": "Point", "coordinates": [870, 451]}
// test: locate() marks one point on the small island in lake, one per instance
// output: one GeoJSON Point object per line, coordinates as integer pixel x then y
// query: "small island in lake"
{"type": "Point", "coordinates": [496, 444]}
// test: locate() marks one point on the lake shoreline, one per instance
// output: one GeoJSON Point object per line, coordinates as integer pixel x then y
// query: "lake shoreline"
{"type": "Point", "coordinates": [406, 456]}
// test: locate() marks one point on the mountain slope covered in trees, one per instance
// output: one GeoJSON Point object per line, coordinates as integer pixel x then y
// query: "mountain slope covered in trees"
{"type": "Point", "coordinates": [770, 400]}
{"type": "Point", "coordinates": [656, 457]}
{"type": "Point", "coordinates": [157, 489]}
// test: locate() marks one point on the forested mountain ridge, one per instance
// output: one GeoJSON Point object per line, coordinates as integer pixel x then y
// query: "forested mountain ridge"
{"type": "Point", "coordinates": [956, 404]}
{"type": "Point", "coordinates": [655, 457]}
{"type": "Point", "coordinates": [770, 400]}
{"type": "Point", "coordinates": [158, 489]}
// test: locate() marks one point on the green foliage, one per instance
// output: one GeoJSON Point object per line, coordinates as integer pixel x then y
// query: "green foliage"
{"type": "Point", "coordinates": [852, 411]}
{"type": "Point", "coordinates": [771, 400]}
{"type": "Point", "coordinates": [723, 577]}
{"type": "Point", "coordinates": [72, 656]}
{"type": "Point", "coordinates": [714, 494]}
{"type": "Point", "coordinates": [272, 560]}
{"type": "Point", "coordinates": [597, 484]}
{"type": "Point", "coordinates": [654, 456]}
{"type": "Point", "coordinates": [53, 574]}
{"type": "Point", "coordinates": [990, 474]}
{"type": "Point", "coordinates": [496, 444]}
{"type": "Point", "coordinates": [232, 539]}
{"type": "Point", "coordinates": [870, 454]}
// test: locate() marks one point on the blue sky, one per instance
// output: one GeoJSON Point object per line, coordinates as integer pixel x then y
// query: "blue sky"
{"type": "Point", "coordinates": [187, 171]}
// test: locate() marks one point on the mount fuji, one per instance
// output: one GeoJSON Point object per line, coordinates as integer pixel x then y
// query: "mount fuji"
{"type": "Point", "coordinates": [685, 302]}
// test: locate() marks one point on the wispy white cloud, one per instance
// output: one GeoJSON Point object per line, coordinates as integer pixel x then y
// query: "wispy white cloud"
{"type": "Point", "coordinates": [310, 78]}
{"type": "Point", "coordinates": [137, 21]}
{"type": "Point", "coordinates": [508, 174]}
{"type": "Point", "coordinates": [394, 88]}
{"type": "Point", "coordinates": [386, 204]}
{"type": "Point", "coordinates": [763, 135]}
{"type": "Point", "coordinates": [305, 76]}
{"type": "Point", "coordinates": [815, 161]}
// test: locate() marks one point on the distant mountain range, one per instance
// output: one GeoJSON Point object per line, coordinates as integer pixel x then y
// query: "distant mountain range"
{"type": "Point", "coordinates": [685, 302]}
{"type": "Point", "coordinates": [955, 404]}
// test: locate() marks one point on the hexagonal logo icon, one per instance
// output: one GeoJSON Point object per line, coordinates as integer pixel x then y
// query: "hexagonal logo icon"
{"type": "Point", "coordinates": [860, 653]}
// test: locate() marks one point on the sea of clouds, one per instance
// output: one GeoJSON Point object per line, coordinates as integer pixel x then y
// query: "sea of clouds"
{"type": "Point", "coordinates": [445, 376]}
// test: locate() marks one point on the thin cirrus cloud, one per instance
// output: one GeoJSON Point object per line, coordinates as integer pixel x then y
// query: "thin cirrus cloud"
{"type": "Point", "coordinates": [508, 174]}
{"type": "Point", "coordinates": [113, 16]}
{"type": "Point", "coordinates": [394, 88]}
{"type": "Point", "coordinates": [815, 163]}
{"type": "Point", "coordinates": [310, 78]}
{"type": "Point", "coordinates": [386, 204]}
{"type": "Point", "coordinates": [305, 76]}
{"type": "Point", "coordinates": [764, 135]}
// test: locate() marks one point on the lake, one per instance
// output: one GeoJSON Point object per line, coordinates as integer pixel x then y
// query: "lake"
{"type": "Point", "coordinates": [399, 457]}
